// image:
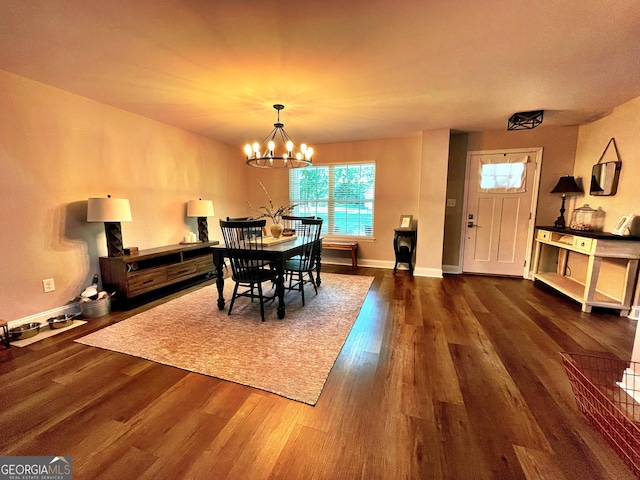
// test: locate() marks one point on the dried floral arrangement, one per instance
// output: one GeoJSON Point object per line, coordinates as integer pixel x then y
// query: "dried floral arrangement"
{"type": "Point", "coordinates": [270, 211]}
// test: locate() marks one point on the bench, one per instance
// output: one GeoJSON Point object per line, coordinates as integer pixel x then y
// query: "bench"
{"type": "Point", "coordinates": [349, 246]}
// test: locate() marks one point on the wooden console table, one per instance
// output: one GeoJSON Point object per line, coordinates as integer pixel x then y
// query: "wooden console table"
{"type": "Point", "coordinates": [152, 269]}
{"type": "Point", "coordinates": [552, 249]}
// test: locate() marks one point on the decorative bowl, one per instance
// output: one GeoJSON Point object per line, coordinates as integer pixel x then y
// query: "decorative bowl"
{"type": "Point", "coordinates": [22, 332]}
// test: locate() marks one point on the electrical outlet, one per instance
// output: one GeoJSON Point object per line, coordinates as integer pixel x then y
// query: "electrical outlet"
{"type": "Point", "coordinates": [451, 202]}
{"type": "Point", "coordinates": [48, 285]}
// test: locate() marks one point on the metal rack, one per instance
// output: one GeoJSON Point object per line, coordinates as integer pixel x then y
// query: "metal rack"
{"type": "Point", "coordinates": [607, 391]}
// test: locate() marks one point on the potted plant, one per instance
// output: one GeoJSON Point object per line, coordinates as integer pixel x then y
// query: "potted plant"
{"type": "Point", "coordinates": [271, 212]}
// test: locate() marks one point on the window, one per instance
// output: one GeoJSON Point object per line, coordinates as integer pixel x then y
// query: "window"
{"type": "Point", "coordinates": [342, 195]}
{"type": "Point", "coordinates": [503, 175]}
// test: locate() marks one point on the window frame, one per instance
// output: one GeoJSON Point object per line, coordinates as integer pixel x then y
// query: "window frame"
{"type": "Point", "coordinates": [328, 228]}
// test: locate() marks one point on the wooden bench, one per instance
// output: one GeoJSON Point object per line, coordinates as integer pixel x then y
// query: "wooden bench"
{"type": "Point", "coordinates": [348, 246]}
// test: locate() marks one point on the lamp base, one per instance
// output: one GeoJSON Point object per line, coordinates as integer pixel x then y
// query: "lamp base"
{"type": "Point", "coordinates": [203, 232]}
{"type": "Point", "coordinates": [113, 232]}
{"type": "Point", "coordinates": [560, 221]}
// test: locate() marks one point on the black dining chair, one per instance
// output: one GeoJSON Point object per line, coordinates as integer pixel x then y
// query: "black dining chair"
{"type": "Point", "coordinates": [300, 268]}
{"type": "Point", "coordinates": [292, 222]}
{"type": "Point", "coordinates": [242, 240]}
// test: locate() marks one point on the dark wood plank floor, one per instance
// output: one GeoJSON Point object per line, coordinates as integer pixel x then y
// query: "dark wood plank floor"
{"type": "Point", "coordinates": [454, 378]}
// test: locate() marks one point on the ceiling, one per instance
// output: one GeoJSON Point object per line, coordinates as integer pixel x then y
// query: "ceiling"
{"type": "Point", "coordinates": [346, 70]}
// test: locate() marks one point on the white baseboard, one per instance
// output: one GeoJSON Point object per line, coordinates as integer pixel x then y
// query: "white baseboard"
{"type": "Point", "coordinates": [417, 271]}
{"type": "Point", "coordinates": [42, 317]}
{"type": "Point", "coordinates": [634, 314]}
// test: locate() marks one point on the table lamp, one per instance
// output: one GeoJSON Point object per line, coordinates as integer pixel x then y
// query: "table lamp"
{"type": "Point", "coordinates": [201, 209]}
{"type": "Point", "coordinates": [111, 211]}
{"type": "Point", "coordinates": [566, 185]}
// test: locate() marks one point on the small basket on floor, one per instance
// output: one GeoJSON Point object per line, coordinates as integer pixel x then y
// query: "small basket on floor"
{"type": "Point", "coordinates": [607, 391]}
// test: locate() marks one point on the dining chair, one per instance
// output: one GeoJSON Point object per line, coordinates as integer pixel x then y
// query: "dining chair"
{"type": "Point", "coordinates": [242, 240]}
{"type": "Point", "coordinates": [293, 222]}
{"type": "Point", "coordinates": [300, 268]}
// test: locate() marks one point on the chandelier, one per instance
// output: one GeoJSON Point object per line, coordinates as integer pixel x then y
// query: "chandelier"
{"type": "Point", "coordinates": [278, 150]}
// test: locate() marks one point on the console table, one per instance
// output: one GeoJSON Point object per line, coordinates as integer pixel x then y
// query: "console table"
{"type": "Point", "coordinates": [552, 249]}
{"type": "Point", "coordinates": [149, 270]}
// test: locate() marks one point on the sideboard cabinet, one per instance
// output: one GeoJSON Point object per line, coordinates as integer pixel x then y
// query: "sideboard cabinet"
{"type": "Point", "coordinates": [148, 270]}
{"type": "Point", "coordinates": [553, 247]}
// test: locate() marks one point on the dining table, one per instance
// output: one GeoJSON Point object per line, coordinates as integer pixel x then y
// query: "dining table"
{"type": "Point", "coordinates": [276, 254]}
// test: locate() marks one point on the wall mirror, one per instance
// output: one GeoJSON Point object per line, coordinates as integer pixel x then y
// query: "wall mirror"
{"type": "Point", "coordinates": [604, 175]}
{"type": "Point", "coordinates": [604, 178]}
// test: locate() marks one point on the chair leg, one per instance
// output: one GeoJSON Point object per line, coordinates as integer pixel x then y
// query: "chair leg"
{"type": "Point", "coordinates": [261, 301]}
{"type": "Point", "coordinates": [313, 282]}
{"type": "Point", "coordinates": [233, 298]}
{"type": "Point", "coordinates": [301, 285]}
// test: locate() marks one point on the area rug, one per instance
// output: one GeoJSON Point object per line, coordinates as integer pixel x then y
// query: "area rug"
{"type": "Point", "coordinates": [291, 357]}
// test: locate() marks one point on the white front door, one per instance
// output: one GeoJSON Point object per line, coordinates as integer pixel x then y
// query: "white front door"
{"type": "Point", "coordinates": [500, 207]}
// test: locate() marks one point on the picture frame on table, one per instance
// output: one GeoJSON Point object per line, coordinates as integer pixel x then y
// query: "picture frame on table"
{"type": "Point", "coordinates": [406, 222]}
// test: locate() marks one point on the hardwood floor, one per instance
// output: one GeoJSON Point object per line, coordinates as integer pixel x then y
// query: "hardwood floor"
{"type": "Point", "coordinates": [454, 378]}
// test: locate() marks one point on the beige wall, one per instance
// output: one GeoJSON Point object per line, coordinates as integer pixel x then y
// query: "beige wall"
{"type": "Point", "coordinates": [397, 186]}
{"type": "Point", "coordinates": [432, 195]}
{"type": "Point", "coordinates": [59, 149]}
{"type": "Point", "coordinates": [455, 191]}
{"type": "Point", "coordinates": [623, 124]}
{"type": "Point", "coordinates": [410, 179]}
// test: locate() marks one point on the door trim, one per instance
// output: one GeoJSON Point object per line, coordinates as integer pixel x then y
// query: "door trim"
{"type": "Point", "coordinates": [534, 151]}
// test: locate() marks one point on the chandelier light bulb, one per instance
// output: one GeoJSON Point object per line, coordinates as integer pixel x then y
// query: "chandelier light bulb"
{"type": "Point", "coordinates": [308, 153]}
{"type": "Point", "coordinates": [299, 156]}
{"type": "Point", "coordinates": [256, 147]}
{"type": "Point", "coordinates": [289, 146]}
{"type": "Point", "coordinates": [248, 150]}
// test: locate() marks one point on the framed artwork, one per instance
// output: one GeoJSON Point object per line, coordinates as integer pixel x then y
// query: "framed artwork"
{"type": "Point", "coordinates": [406, 222]}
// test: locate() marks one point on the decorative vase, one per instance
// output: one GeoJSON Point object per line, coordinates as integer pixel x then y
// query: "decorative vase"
{"type": "Point", "coordinates": [276, 230]}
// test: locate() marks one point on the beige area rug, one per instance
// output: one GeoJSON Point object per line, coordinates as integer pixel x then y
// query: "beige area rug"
{"type": "Point", "coordinates": [291, 357]}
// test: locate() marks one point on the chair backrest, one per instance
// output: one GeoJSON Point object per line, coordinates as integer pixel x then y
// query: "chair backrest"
{"type": "Point", "coordinates": [309, 230]}
{"type": "Point", "coordinates": [244, 219]}
{"type": "Point", "coordinates": [293, 222]}
{"type": "Point", "coordinates": [242, 239]}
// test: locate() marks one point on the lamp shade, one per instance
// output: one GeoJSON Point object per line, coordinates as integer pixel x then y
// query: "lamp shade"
{"type": "Point", "coordinates": [107, 209]}
{"type": "Point", "coordinates": [200, 208]}
{"type": "Point", "coordinates": [566, 184]}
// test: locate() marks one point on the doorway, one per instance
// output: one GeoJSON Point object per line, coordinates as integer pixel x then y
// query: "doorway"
{"type": "Point", "coordinates": [501, 193]}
